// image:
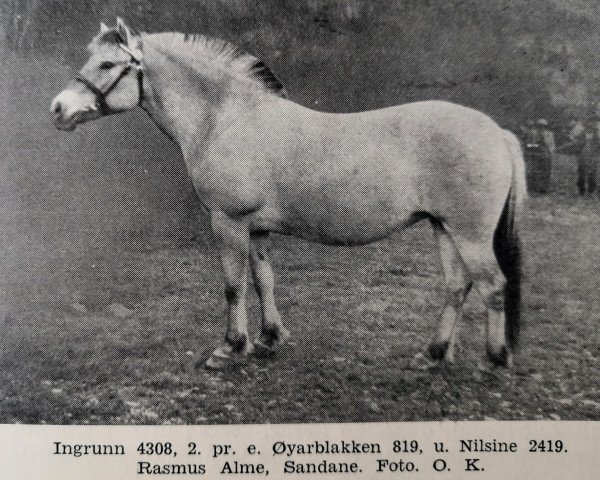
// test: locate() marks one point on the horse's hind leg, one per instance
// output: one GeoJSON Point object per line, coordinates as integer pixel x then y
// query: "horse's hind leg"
{"type": "Point", "coordinates": [457, 289]}
{"type": "Point", "coordinates": [233, 239]}
{"type": "Point", "coordinates": [490, 282]}
{"type": "Point", "coordinates": [273, 333]}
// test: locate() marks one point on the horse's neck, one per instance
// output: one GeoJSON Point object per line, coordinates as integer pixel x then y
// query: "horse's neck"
{"type": "Point", "coordinates": [169, 98]}
{"type": "Point", "coordinates": [190, 108]}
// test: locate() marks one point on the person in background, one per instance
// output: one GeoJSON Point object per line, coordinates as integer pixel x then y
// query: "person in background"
{"type": "Point", "coordinates": [587, 166]}
{"type": "Point", "coordinates": [527, 132]}
{"type": "Point", "coordinates": [548, 145]}
{"type": "Point", "coordinates": [577, 133]}
{"type": "Point", "coordinates": [548, 135]}
{"type": "Point", "coordinates": [538, 141]}
{"type": "Point", "coordinates": [575, 146]}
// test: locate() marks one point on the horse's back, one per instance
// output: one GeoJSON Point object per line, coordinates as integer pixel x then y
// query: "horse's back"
{"type": "Point", "coordinates": [355, 177]}
{"type": "Point", "coordinates": [430, 156]}
{"type": "Point", "coordinates": [420, 134]}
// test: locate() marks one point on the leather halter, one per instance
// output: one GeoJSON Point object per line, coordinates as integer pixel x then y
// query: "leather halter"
{"type": "Point", "coordinates": [101, 103]}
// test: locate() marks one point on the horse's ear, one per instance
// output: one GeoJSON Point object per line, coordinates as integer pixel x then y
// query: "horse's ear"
{"type": "Point", "coordinates": [130, 37]}
{"type": "Point", "coordinates": [103, 27]}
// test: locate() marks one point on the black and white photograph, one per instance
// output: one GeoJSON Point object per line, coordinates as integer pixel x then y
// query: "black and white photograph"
{"type": "Point", "coordinates": [299, 211]}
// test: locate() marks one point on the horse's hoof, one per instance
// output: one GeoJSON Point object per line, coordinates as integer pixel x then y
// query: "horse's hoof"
{"type": "Point", "coordinates": [270, 339]}
{"type": "Point", "coordinates": [501, 357]}
{"type": "Point", "coordinates": [438, 351]}
{"type": "Point", "coordinates": [421, 362]}
{"type": "Point", "coordinates": [263, 349]}
{"type": "Point", "coordinates": [226, 354]}
{"type": "Point", "coordinates": [220, 357]}
{"type": "Point", "coordinates": [284, 335]}
{"type": "Point", "coordinates": [215, 363]}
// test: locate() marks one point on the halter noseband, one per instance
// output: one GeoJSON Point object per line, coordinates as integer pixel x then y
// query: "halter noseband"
{"type": "Point", "coordinates": [134, 62]}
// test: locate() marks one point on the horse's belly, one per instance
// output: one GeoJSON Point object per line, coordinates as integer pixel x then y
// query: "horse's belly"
{"type": "Point", "coordinates": [335, 220]}
{"type": "Point", "coordinates": [341, 200]}
{"type": "Point", "coordinates": [343, 233]}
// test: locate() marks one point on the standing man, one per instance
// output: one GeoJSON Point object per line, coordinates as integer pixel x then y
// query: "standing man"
{"type": "Point", "coordinates": [575, 146]}
{"type": "Point", "coordinates": [526, 132]}
{"type": "Point", "coordinates": [587, 168]}
{"type": "Point", "coordinates": [547, 155]}
{"type": "Point", "coordinates": [539, 148]}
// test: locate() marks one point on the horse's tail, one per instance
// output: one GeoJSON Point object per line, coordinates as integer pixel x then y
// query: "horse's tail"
{"type": "Point", "coordinates": [519, 184]}
{"type": "Point", "coordinates": [507, 244]}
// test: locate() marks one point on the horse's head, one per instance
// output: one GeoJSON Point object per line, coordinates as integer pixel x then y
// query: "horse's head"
{"type": "Point", "coordinates": [110, 82]}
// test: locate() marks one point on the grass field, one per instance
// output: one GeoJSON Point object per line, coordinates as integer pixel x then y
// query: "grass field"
{"type": "Point", "coordinates": [111, 295]}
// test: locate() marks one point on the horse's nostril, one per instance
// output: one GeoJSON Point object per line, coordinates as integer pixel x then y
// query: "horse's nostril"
{"type": "Point", "coordinates": [57, 108]}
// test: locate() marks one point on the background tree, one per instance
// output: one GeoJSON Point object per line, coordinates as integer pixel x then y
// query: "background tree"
{"type": "Point", "coordinates": [19, 19]}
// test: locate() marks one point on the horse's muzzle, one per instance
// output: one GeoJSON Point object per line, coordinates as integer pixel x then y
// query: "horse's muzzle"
{"type": "Point", "coordinates": [62, 121]}
{"type": "Point", "coordinates": [68, 122]}
{"type": "Point", "coordinates": [62, 124]}
{"type": "Point", "coordinates": [68, 110]}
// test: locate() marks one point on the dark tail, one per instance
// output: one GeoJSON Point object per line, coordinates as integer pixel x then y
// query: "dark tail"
{"type": "Point", "coordinates": [507, 245]}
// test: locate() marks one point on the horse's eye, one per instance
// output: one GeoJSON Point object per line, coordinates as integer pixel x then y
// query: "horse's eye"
{"type": "Point", "coordinates": [106, 65]}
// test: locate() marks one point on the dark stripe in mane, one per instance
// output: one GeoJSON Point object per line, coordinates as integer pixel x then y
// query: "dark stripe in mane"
{"type": "Point", "coordinates": [258, 70]}
{"type": "Point", "coordinates": [263, 73]}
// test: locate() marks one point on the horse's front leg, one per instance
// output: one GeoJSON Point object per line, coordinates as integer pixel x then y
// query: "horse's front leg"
{"type": "Point", "coordinates": [233, 239]}
{"type": "Point", "coordinates": [273, 333]}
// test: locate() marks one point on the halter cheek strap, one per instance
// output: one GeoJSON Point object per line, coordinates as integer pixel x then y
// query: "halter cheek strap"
{"type": "Point", "coordinates": [101, 95]}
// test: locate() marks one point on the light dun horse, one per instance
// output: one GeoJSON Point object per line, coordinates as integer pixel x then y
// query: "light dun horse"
{"type": "Point", "coordinates": [261, 163]}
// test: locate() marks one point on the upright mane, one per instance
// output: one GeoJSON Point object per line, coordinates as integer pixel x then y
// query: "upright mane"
{"type": "Point", "coordinates": [198, 48]}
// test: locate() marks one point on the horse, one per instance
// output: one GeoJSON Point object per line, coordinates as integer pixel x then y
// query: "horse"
{"type": "Point", "coordinates": [261, 164]}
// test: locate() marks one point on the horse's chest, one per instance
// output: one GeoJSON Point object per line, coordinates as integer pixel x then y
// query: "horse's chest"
{"type": "Point", "coordinates": [227, 184]}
